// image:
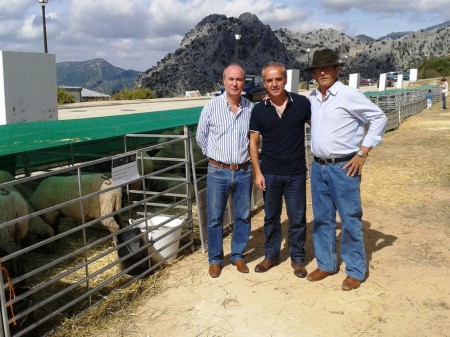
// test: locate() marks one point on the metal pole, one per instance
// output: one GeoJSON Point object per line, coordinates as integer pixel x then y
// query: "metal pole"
{"type": "Point", "coordinates": [307, 77]}
{"type": "Point", "coordinates": [237, 37]}
{"type": "Point", "coordinates": [44, 29]}
{"type": "Point", "coordinates": [424, 65]}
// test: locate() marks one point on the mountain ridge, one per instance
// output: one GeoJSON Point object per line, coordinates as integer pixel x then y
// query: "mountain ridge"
{"type": "Point", "coordinates": [211, 45]}
{"type": "Point", "coordinates": [96, 74]}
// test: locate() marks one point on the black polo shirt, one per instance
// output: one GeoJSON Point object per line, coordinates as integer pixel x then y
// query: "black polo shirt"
{"type": "Point", "coordinates": [283, 139]}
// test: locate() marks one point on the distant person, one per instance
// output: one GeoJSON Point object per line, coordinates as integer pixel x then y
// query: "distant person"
{"type": "Point", "coordinates": [444, 93]}
{"type": "Point", "coordinates": [340, 145]}
{"type": "Point", "coordinates": [429, 98]}
{"type": "Point", "coordinates": [223, 136]}
{"type": "Point", "coordinates": [280, 170]}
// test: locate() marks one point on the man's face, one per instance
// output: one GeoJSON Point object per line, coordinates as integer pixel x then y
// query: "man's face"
{"type": "Point", "coordinates": [274, 81]}
{"type": "Point", "coordinates": [326, 76]}
{"type": "Point", "coordinates": [234, 80]}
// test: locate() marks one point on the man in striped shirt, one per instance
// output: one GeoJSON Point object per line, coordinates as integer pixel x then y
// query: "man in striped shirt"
{"type": "Point", "coordinates": [223, 136]}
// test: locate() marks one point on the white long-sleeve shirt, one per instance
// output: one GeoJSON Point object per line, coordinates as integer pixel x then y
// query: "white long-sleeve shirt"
{"type": "Point", "coordinates": [338, 122]}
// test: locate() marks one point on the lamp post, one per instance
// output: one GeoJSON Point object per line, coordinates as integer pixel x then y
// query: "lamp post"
{"type": "Point", "coordinates": [307, 77]}
{"type": "Point", "coordinates": [346, 67]}
{"type": "Point", "coordinates": [238, 37]}
{"type": "Point", "coordinates": [424, 65]}
{"type": "Point", "coordinates": [43, 3]}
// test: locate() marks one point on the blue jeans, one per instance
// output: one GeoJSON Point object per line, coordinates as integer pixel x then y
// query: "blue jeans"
{"type": "Point", "coordinates": [220, 183]}
{"type": "Point", "coordinates": [293, 188]}
{"type": "Point", "coordinates": [444, 101]}
{"type": "Point", "coordinates": [332, 190]}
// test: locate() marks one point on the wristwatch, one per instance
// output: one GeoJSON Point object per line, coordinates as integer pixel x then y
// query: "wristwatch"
{"type": "Point", "coordinates": [361, 153]}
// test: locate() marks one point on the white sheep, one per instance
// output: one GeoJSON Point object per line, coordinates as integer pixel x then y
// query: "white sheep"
{"type": "Point", "coordinates": [144, 161]}
{"type": "Point", "coordinates": [7, 177]}
{"type": "Point", "coordinates": [55, 190]}
{"type": "Point", "coordinates": [13, 206]}
{"type": "Point", "coordinates": [38, 229]}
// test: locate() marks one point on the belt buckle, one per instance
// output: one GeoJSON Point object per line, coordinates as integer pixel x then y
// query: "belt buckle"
{"type": "Point", "coordinates": [322, 161]}
{"type": "Point", "coordinates": [234, 167]}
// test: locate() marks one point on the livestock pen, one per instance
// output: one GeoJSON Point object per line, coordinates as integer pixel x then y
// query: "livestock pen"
{"type": "Point", "coordinates": [89, 262]}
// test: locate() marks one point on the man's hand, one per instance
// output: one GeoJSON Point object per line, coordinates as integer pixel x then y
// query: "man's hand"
{"type": "Point", "coordinates": [355, 165]}
{"type": "Point", "coordinates": [260, 182]}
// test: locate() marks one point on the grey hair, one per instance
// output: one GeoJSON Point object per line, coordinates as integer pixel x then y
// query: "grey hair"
{"type": "Point", "coordinates": [274, 64]}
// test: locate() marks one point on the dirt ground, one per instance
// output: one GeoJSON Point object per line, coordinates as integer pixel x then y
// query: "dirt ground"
{"type": "Point", "coordinates": [406, 201]}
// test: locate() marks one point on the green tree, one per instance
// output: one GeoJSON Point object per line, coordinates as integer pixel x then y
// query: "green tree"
{"type": "Point", "coordinates": [440, 64]}
{"type": "Point", "coordinates": [132, 94]}
{"type": "Point", "coordinates": [65, 97]}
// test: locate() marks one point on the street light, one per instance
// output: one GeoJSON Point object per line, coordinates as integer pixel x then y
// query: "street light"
{"type": "Point", "coordinates": [307, 77]}
{"type": "Point", "coordinates": [238, 37]}
{"type": "Point", "coordinates": [424, 64]}
{"type": "Point", "coordinates": [43, 3]}
{"type": "Point", "coordinates": [346, 67]}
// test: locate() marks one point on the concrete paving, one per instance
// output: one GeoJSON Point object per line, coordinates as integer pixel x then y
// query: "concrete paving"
{"type": "Point", "coordinates": [115, 108]}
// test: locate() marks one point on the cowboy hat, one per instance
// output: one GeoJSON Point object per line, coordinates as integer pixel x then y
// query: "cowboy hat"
{"type": "Point", "coordinates": [324, 58]}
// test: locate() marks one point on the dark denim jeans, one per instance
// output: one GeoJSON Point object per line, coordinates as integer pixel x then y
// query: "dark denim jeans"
{"type": "Point", "coordinates": [293, 188]}
{"type": "Point", "coordinates": [220, 183]}
{"type": "Point", "coordinates": [332, 190]}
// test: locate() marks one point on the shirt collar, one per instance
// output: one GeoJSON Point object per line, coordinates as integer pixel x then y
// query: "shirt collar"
{"type": "Point", "coordinates": [224, 98]}
{"type": "Point", "coordinates": [333, 90]}
{"type": "Point", "coordinates": [267, 102]}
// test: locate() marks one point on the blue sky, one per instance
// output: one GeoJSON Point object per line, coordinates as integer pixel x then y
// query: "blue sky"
{"type": "Point", "coordinates": [136, 34]}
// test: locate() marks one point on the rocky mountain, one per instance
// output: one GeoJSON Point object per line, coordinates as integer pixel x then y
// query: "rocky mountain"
{"type": "Point", "coordinates": [204, 51]}
{"type": "Point", "coordinates": [96, 74]}
{"type": "Point", "coordinates": [438, 26]}
{"type": "Point", "coordinates": [374, 57]}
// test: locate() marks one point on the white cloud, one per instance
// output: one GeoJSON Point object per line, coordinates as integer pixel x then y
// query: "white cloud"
{"type": "Point", "coordinates": [137, 33]}
{"type": "Point", "coordinates": [14, 9]}
{"type": "Point", "coordinates": [28, 29]}
{"type": "Point", "coordinates": [393, 7]}
{"type": "Point", "coordinates": [108, 19]}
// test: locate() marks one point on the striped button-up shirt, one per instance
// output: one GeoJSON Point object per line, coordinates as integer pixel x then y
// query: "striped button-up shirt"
{"type": "Point", "coordinates": [223, 135]}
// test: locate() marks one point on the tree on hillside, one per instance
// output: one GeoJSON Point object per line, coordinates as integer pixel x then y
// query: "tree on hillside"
{"type": "Point", "coordinates": [440, 65]}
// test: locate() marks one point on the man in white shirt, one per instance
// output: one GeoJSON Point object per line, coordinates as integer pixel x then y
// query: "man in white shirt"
{"type": "Point", "coordinates": [340, 144]}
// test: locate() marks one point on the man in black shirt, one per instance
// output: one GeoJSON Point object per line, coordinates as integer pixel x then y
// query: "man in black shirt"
{"type": "Point", "coordinates": [280, 169]}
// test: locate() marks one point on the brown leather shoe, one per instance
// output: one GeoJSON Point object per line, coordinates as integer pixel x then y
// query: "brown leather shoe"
{"type": "Point", "coordinates": [265, 265]}
{"type": "Point", "coordinates": [318, 275]}
{"type": "Point", "coordinates": [215, 270]}
{"type": "Point", "coordinates": [350, 283]}
{"type": "Point", "coordinates": [299, 269]}
{"type": "Point", "coordinates": [241, 266]}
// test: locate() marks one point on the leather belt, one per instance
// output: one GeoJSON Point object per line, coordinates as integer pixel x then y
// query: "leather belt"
{"type": "Point", "coordinates": [323, 161]}
{"type": "Point", "coordinates": [233, 167]}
